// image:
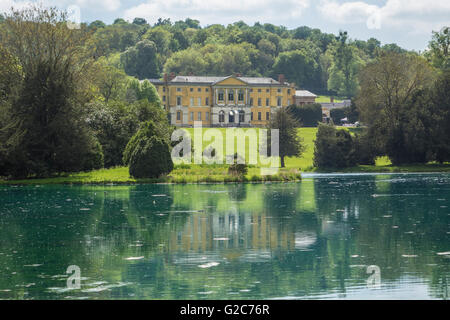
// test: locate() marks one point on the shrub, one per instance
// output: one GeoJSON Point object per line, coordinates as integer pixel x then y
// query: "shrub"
{"type": "Point", "coordinates": [148, 129]}
{"type": "Point", "coordinates": [150, 159]}
{"type": "Point", "coordinates": [148, 154]}
{"type": "Point", "coordinates": [334, 148]}
{"type": "Point", "coordinates": [238, 169]}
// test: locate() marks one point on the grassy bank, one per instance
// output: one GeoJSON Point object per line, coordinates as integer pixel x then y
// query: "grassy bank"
{"type": "Point", "coordinates": [181, 174]}
{"type": "Point", "coordinates": [219, 173]}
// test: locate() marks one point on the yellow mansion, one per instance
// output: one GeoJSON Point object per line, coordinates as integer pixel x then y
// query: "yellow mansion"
{"type": "Point", "coordinates": [223, 101]}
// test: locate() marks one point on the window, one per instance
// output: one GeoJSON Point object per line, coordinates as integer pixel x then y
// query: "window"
{"type": "Point", "coordinates": [289, 102]}
{"type": "Point", "coordinates": [178, 115]}
{"type": "Point", "coordinates": [199, 100]}
{"type": "Point", "coordinates": [267, 102]}
{"type": "Point", "coordinates": [241, 116]}
{"type": "Point", "coordinates": [230, 95]}
{"type": "Point", "coordinates": [192, 102]}
{"type": "Point", "coordinates": [251, 116]}
{"type": "Point", "coordinates": [207, 101]}
{"type": "Point", "coordinates": [251, 101]}
{"type": "Point", "coordinates": [164, 89]}
{"type": "Point", "coordinates": [231, 117]}
{"type": "Point", "coordinates": [164, 98]}
{"type": "Point", "coordinates": [207, 116]}
{"type": "Point", "coordinates": [279, 90]}
{"type": "Point", "coordinates": [259, 102]}
{"type": "Point", "coordinates": [279, 101]}
{"type": "Point", "coordinates": [289, 91]}
{"type": "Point", "coordinates": [191, 89]}
{"type": "Point", "coordinates": [267, 90]}
{"type": "Point", "coordinates": [251, 90]}
{"type": "Point", "coordinates": [221, 116]}
{"type": "Point", "coordinates": [192, 116]}
{"type": "Point", "coordinates": [241, 95]}
{"type": "Point", "coordinates": [199, 116]}
{"type": "Point", "coordinates": [207, 89]}
{"type": "Point", "coordinates": [259, 90]}
{"type": "Point", "coordinates": [220, 95]}
{"type": "Point", "coordinates": [199, 89]}
{"type": "Point", "coordinates": [267, 116]}
{"type": "Point", "coordinates": [178, 101]}
{"type": "Point", "coordinates": [178, 89]}
{"type": "Point", "coordinates": [259, 116]}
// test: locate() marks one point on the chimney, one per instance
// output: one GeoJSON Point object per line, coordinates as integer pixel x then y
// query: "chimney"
{"type": "Point", "coordinates": [281, 78]}
{"type": "Point", "coordinates": [237, 75]}
{"type": "Point", "coordinates": [166, 78]}
{"type": "Point", "coordinates": [171, 76]}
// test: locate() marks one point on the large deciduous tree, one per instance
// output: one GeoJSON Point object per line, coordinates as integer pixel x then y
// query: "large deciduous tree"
{"type": "Point", "coordinates": [141, 60]}
{"type": "Point", "coordinates": [45, 89]}
{"type": "Point", "coordinates": [389, 104]}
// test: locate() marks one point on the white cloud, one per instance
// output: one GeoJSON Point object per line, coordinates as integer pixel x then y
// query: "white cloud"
{"type": "Point", "coordinates": [417, 16]}
{"type": "Point", "coordinates": [218, 11]}
{"type": "Point", "coordinates": [108, 5]}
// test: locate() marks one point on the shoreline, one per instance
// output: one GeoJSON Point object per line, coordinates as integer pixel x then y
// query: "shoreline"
{"type": "Point", "coordinates": [205, 175]}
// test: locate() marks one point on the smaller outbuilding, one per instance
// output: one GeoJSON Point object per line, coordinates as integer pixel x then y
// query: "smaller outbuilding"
{"type": "Point", "coordinates": [303, 97]}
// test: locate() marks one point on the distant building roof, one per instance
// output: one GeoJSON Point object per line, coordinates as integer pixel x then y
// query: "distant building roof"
{"type": "Point", "coordinates": [154, 81]}
{"type": "Point", "coordinates": [213, 80]}
{"type": "Point", "coordinates": [304, 93]}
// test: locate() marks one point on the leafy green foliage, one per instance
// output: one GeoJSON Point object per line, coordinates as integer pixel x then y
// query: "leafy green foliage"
{"type": "Point", "coordinates": [394, 103]}
{"type": "Point", "coordinates": [439, 49]}
{"type": "Point", "coordinates": [44, 129]}
{"type": "Point", "coordinates": [290, 144]}
{"type": "Point", "coordinates": [237, 168]}
{"type": "Point", "coordinates": [308, 115]}
{"type": "Point", "coordinates": [334, 148]}
{"type": "Point", "coordinates": [141, 60]}
{"type": "Point", "coordinates": [148, 153]}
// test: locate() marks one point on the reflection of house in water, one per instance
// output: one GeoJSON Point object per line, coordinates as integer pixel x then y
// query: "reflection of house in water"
{"type": "Point", "coordinates": [233, 231]}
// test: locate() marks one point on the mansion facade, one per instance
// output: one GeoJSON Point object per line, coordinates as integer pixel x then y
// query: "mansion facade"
{"type": "Point", "coordinates": [231, 101]}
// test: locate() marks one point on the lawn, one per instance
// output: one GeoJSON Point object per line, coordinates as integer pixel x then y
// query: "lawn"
{"type": "Point", "coordinates": [218, 173]}
{"type": "Point", "coordinates": [326, 99]}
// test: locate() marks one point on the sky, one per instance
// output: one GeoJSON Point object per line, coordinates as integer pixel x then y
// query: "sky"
{"type": "Point", "coordinates": [408, 23]}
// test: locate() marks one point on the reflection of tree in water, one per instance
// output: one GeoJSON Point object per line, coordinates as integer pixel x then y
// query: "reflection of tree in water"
{"type": "Point", "coordinates": [237, 192]}
{"type": "Point", "coordinates": [396, 226]}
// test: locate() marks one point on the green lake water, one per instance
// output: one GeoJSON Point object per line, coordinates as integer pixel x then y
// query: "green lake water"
{"type": "Point", "coordinates": [310, 240]}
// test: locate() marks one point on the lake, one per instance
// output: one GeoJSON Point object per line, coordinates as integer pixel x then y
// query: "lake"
{"type": "Point", "coordinates": [359, 236]}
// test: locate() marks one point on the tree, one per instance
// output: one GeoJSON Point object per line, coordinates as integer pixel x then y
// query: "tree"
{"type": "Point", "coordinates": [141, 60]}
{"type": "Point", "coordinates": [389, 103]}
{"type": "Point", "coordinates": [140, 21]}
{"type": "Point", "coordinates": [298, 67]}
{"type": "Point", "coordinates": [308, 115]}
{"type": "Point", "coordinates": [334, 148]}
{"type": "Point", "coordinates": [120, 21]}
{"type": "Point", "coordinates": [290, 144]}
{"type": "Point", "coordinates": [97, 24]}
{"type": "Point", "coordinates": [148, 153]}
{"type": "Point", "coordinates": [45, 130]}
{"type": "Point", "coordinates": [111, 82]}
{"type": "Point", "coordinates": [344, 70]}
{"type": "Point", "coordinates": [440, 115]}
{"type": "Point", "coordinates": [439, 49]}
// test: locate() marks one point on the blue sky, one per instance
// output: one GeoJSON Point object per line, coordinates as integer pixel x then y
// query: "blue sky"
{"type": "Point", "coordinates": [406, 22]}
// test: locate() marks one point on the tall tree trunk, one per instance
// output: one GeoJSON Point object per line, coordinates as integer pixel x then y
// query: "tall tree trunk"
{"type": "Point", "coordinates": [282, 161]}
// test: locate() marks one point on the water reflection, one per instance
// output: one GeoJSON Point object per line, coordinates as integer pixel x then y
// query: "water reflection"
{"type": "Point", "coordinates": [313, 239]}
